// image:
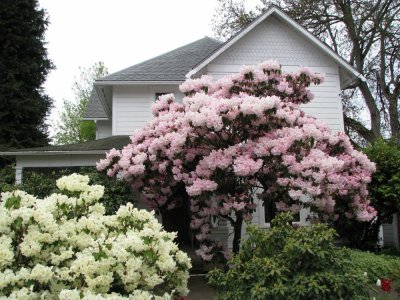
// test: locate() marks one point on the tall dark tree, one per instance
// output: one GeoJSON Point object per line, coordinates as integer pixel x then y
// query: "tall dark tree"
{"type": "Point", "coordinates": [24, 66]}
{"type": "Point", "coordinates": [365, 32]}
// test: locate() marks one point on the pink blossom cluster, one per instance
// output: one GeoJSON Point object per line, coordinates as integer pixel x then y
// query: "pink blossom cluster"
{"type": "Point", "coordinates": [204, 83]}
{"type": "Point", "coordinates": [231, 138]}
{"type": "Point", "coordinates": [162, 104]}
{"type": "Point", "coordinates": [199, 186]}
{"type": "Point", "coordinates": [270, 66]}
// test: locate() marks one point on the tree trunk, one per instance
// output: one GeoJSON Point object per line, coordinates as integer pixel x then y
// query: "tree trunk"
{"type": "Point", "coordinates": [237, 233]}
{"type": "Point", "coordinates": [394, 118]}
{"type": "Point", "coordinates": [373, 109]}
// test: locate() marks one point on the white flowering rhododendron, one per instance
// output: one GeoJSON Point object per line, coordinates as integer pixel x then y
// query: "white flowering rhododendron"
{"type": "Point", "coordinates": [65, 247]}
{"type": "Point", "coordinates": [244, 134]}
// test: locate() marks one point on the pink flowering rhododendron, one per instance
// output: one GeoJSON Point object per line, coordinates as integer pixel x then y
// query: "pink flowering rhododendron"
{"type": "Point", "coordinates": [238, 136]}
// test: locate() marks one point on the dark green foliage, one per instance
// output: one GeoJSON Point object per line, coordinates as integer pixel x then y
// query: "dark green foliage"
{"type": "Point", "coordinates": [7, 175]}
{"type": "Point", "coordinates": [42, 184]}
{"type": "Point", "coordinates": [116, 192]}
{"type": "Point", "coordinates": [289, 263]}
{"type": "Point", "coordinates": [23, 69]}
{"type": "Point", "coordinates": [384, 191]}
{"type": "Point", "coordinates": [384, 188]}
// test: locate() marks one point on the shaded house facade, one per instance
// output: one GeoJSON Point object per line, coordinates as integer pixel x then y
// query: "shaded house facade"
{"type": "Point", "coordinates": [121, 102]}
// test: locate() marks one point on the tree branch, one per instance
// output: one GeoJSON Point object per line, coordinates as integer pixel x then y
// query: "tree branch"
{"type": "Point", "coordinates": [358, 127]}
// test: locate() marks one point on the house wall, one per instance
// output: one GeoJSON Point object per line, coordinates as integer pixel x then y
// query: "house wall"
{"type": "Point", "coordinates": [53, 161]}
{"type": "Point", "coordinates": [64, 160]}
{"type": "Point", "coordinates": [103, 129]}
{"type": "Point", "coordinates": [390, 233]}
{"type": "Point", "coordinates": [273, 39]}
{"type": "Point", "coordinates": [132, 106]}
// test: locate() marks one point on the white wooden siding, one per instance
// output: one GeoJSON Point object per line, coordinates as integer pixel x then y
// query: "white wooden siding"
{"type": "Point", "coordinates": [327, 104]}
{"type": "Point", "coordinates": [53, 161]}
{"type": "Point", "coordinates": [390, 233]}
{"type": "Point", "coordinates": [273, 39]}
{"type": "Point", "coordinates": [132, 106]}
{"type": "Point", "coordinates": [103, 129]}
{"type": "Point", "coordinates": [220, 233]}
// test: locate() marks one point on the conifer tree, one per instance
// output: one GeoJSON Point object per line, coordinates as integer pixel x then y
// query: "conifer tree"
{"type": "Point", "coordinates": [24, 66]}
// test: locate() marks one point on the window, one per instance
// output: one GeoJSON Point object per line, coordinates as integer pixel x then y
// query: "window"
{"type": "Point", "coordinates": [159, 94]}
{"type": "Point", "coordinates": [270, 212]}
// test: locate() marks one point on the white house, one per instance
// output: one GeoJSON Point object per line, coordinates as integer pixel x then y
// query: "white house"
{"type": "Point", "coordinates": [120, 102]}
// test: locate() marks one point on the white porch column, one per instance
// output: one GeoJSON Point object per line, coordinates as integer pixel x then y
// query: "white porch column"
{"type": "Point", "coordinates": [18, 175]}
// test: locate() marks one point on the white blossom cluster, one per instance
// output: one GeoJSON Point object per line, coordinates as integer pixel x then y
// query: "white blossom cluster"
{"type": "Point", "coordinates": [65, 247]}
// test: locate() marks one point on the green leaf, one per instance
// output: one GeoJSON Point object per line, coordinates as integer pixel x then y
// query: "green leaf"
{"type": "Point", "coordinates": [13, 202]}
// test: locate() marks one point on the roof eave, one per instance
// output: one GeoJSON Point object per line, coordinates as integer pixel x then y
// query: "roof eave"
{"type": "Point", "coordinates": [103, 100]}
{"type": "Point", "coordinates": [38, 153]}
{"type": "Point", "coordinates": [133, 82]}
{"type": "Point", "coordinates": [95, 119]}
{"type": "Point", "coordinates": [351, 81]}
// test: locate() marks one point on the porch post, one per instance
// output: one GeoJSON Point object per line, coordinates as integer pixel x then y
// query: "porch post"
{"type": "Point", "coordinates": [18, 175]}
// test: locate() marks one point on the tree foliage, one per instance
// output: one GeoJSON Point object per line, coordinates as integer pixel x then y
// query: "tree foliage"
{"type": "Point", "coordinates": [243, 135]}
{"type": "Point", "coordinates": [365, 33]}
{"type": "Point", "coordinates": [384, 188]}
{"type": "Point", "coordinates": [23, 69]}
{"type": "Point", "coordinates": [72, 128]}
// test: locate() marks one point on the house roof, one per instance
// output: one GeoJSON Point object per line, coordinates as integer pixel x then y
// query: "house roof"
{"type": "Point", "coordinates": [99, 146]}
{"type": "Point", "coordinates": [275, 10]}
{"type": "Point", "coordinates": [175, 66]}
{"type": "Point", "coordinates": [170, 66]}
{"type": "Point", "coordinates": [94, 109]}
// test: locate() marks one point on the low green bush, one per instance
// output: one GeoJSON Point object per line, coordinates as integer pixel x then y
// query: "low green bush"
{"type": "Point", "coordinates": [7, 177]}
{"type": "Point", "coordinates": [376, 265]}
{"type": "Point", "coordinates": [288, 263]}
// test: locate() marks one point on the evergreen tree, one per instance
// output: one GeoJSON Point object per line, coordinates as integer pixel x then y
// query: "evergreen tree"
{"type": "Point", "coordinates": [24, 66]}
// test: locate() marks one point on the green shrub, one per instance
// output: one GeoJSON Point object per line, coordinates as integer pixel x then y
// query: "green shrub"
{"type": "Point", "coordinates": [289, 263]}
{"type": "Point", "coordinates": [7, 177]}
{"type": "Point", "coordinates": [117, 192]}
{"type": "Point", "coordinates": [376, 266]}
{"type": "Point", "coordinates": [42, 183]}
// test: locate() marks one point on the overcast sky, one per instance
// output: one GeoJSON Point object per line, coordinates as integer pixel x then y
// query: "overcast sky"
{"type": "Point", "coordinates": [120, 33]}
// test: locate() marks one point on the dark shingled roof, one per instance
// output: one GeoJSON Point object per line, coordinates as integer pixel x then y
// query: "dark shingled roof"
{"type": "Point", "coordinates": [94, 109]}
{"type": "Point", "coordinates": [170, 66]}
{"type": "Point", "coordinates": [116, 141]}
